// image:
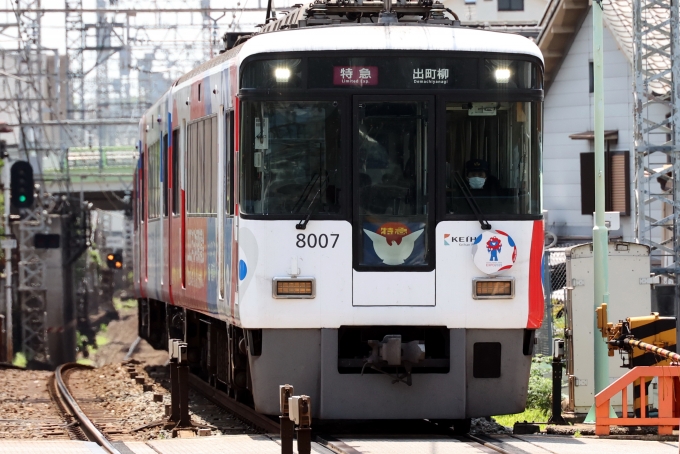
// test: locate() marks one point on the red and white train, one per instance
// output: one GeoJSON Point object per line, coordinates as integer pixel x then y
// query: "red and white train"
{"type": "Point", "coordinates": [350, 202]}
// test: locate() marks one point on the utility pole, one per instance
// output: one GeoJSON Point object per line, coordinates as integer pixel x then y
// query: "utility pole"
{"type": "Point", "coordinates": [600, 237]}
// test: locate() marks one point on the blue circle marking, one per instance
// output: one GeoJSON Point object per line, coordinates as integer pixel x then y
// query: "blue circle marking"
{"type": "Point", "coordinates": [242, 270]}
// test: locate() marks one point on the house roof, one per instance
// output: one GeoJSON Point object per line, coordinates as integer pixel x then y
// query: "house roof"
{"type": "Point", "coordinates": [563, 19]}
{"type": "Point", "coordinates": [560, 24]}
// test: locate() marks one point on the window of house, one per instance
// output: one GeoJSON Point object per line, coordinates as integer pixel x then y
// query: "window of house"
{"type": "Point", "coordinates": [510, 5]}
{"type": "Point", "coordinates": [617, 182]}
{"type": "Point", "coordinates": [591, 78]}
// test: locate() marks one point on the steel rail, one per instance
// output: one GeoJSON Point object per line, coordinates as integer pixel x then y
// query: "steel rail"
{"type": "Point", "coordinates": [487, 444]}
{"type": "Point", "coordinates": [242, 411]}
{"type": "Point", "coordinates": [131, 350]}
{"type": "Point", "coordinates": [92, 433]}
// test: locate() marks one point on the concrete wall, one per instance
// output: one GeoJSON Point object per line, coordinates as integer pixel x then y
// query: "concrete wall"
{"type": "Point", "coordinates": [568, 110]}
{"type": "Point", "coordinates": [487, 10]}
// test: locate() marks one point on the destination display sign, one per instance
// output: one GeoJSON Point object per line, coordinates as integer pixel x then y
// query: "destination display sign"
{"type": "Point", "coordinates": [391, 73]}
{"type": "Point", "coordinates": [396, 72]}
{"type": "Point", "coordinates": [355, 75]}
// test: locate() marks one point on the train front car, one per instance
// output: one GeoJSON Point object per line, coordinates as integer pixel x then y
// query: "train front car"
{"type": "Point", "coordinates": [390, 234]}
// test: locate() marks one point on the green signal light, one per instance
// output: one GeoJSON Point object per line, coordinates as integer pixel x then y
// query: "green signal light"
{"type": "Point", "coordinates": [22, 198]}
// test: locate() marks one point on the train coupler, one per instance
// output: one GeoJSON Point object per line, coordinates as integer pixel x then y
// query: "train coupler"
{"type": "Point", "coordinates": [391, 351]}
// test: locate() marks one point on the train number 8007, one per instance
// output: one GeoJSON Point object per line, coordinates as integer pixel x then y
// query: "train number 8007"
{"type": "Point", "coordinates": [312, 240]}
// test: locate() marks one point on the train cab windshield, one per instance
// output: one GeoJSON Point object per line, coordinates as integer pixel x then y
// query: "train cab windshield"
{"type": "Point", "coordinates": [293, 162]}
{"type": "Point", "coordinates": [400, 139]}
{"type": "Point", "coordinates": [492, 148]}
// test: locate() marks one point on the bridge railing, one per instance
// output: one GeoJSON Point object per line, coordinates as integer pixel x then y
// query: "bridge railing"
{"type": "Point", "coordinates": [101, 158]}
{"type": "Point", "coordinates": [669, 401]}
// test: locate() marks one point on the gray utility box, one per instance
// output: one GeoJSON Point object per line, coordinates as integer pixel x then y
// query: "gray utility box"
{"type": "Point", "coordinates": [629, 296]}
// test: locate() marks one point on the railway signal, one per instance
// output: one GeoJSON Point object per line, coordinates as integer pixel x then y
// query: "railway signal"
{"type": "Point", "coordinates": [114, 260]}
{"type": "Point", "coordinates": [47, 241]}
{"type": "Point", "coordinates": [21, 185]}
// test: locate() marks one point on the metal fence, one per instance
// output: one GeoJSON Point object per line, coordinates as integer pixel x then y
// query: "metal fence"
{"type": "Point", "coordinates": [554, 284]}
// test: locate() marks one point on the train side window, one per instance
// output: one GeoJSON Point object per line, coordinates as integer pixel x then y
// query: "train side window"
{"type": "Point", "coordinates": [207, 162]}
{"type": "Point", "coordinates": [201, 167]}
{"type": "Point", "coordinates": [229, 162]}
{"type": "Point", "coordinates": [192, 196]}
{"type": "Point", "coordinates": [135, 202]}
{"type": "Point", "coordinates": [213, 167]}
{"type": "Point", "coordinates": [164, 173]}
{"type": "Point", "coordinates": [175, 172]}
{"type": "Point", "coordinates": [153, 177]}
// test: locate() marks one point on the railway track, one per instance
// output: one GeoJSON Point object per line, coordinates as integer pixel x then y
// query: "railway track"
{"type": "Point", "coordinates": [347, 444]}
{"type": "Point", "coordinates": [87, 419]}
{"type": "Point", "coordinates": [102, 428]}
{"type": "Point", "coordinates": [243, 412]}
{"type": "Point", "coordinates": [267, 425]}
{"type": "Point", "coordinates": [28, 410]}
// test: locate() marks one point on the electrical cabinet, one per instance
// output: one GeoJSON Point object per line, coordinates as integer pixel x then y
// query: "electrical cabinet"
{"type": "Point", "coordinates": [629, 296]}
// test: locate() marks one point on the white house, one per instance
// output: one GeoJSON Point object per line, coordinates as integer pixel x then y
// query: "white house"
{"type": "Point", "coordinates": [497, 11]}
{"type": "Point", "coordinates": [566, 40]}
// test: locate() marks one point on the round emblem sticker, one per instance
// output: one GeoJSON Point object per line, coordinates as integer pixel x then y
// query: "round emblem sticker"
{"type": "Point", "coordinates": [494, 251]}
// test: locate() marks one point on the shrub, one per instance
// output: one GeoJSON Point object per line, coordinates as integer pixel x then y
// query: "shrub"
{"type": "Point", "coordinates": [540, 387]}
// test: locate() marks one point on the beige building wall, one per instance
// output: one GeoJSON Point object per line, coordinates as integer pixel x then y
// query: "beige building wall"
{"type": "Point", "coordinates": [487, 11]}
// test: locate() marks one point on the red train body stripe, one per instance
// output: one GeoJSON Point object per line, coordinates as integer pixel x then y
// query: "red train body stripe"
{"type": "Point", "coordinates": [536, 301]}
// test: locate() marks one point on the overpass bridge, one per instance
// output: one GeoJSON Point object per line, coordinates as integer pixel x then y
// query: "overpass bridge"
{"type": "Point", "coordinates": [103, 176]}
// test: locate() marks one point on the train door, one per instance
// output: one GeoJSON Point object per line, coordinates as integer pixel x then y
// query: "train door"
{"type": "Point", "coordinates": [393, 201]}
{"type": "Point", "coordinates": [227, 235]}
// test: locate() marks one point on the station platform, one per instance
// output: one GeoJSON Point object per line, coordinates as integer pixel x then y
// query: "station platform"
{"type": "Point", "coordinates": [261, 444]}
{"type": "Point", "coordinates": [233, 444]}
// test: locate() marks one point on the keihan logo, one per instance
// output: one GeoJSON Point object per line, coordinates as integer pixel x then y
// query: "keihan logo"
{"type": "Point", "coordinates": [494, 251]}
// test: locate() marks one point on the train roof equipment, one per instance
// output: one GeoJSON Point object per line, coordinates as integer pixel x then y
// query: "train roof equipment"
{"type": "Point", "coordinates": [352, 12]}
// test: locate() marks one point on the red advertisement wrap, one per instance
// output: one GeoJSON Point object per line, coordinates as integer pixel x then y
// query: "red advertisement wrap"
{"type": "Point", "coordinates": [197, 263]}
{"type": "Point", "coordinates": [355, 75]}
{"type": "Point", "coordinates": [536, 299]}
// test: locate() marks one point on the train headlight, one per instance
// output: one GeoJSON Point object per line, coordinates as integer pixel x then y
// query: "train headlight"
{"type": "Point", "coordinates": [489, 288]}
{"type": "Point", "coordinates": [294, 287]}
{"type": "Point", "coordinates": [282, 74]}
{"type": "Point", "coordinates": [502, 75]}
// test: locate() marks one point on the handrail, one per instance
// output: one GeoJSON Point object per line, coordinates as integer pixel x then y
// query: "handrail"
{"type": "Point", "coordinates": [669, 413]}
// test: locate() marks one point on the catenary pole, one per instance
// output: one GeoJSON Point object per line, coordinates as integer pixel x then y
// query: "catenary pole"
{"type": "Point", "coordinates": [600, 238]}
{"type": "Point", "coordinates": [8, 267]}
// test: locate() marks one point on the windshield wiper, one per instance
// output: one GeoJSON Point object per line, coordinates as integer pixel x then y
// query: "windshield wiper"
{"type": "Point", "coordinates": [323, 184]}
{"type": "Point", "coordinates": [472, 202]}
{"type": "Point", "coordinates": [305, 193]}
